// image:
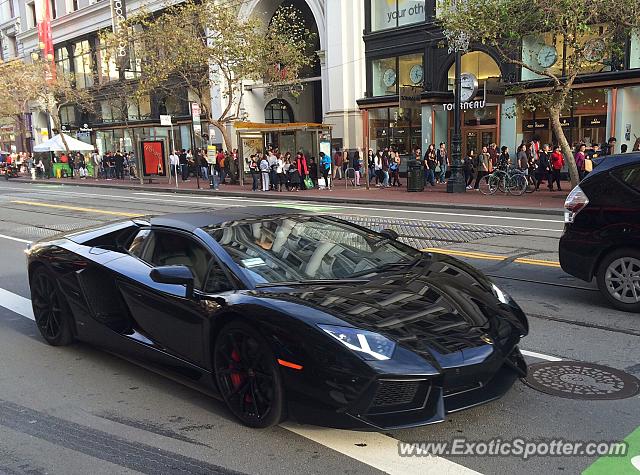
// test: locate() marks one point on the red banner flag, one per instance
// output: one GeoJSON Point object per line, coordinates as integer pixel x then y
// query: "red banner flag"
{"type": "Point", "coordinates": [45, 37]}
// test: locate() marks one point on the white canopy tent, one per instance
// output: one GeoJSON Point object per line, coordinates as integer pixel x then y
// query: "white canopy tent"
{"type": "Point", "coordinates": [55, 144]}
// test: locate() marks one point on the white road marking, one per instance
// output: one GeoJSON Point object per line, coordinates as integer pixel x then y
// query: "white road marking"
{"type": "Point", "coordinates": [378, 451]}
{"type": "Point", "coordinates": [11, 238]}
{"type": "Point", "coordinates": [16, 303]}
{"type": "Point", "coordinates": [540, 356]}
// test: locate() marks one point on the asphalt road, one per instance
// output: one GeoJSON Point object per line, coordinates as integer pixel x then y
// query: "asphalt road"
{"type": "Point", "coordinates": [81, 410]}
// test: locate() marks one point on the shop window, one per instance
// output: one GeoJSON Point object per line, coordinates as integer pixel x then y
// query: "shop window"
{"type": "Point", "coordinates": [108, 65]}
{"type": "Point", "coordinates": [387, 14]}
{"type": "Point", "coordinates": [278, 111]}
{"type": "Point", "coordinates": [139, 109]}
{"type": "Point", "coordinates": [478, 63]}
{"type": "Point", "coordinates": [549, 51]}
{"type": "Point", "coordinates": [400, 129]}
{"type": "Point", "coordinates": [68, 115]}
{"type": "Point", "coordinates": [385, 77]}
{"type": "Point", "coordinates": [63, 62]}
{"type": "Point", "coordinates": [411, 70]}
{"type": "Point", "coordinates": [634, 59]}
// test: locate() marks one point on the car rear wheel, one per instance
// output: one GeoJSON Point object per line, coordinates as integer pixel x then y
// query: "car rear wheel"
{"type": "Point", "coordinates": [50, 309]}
{"type": "Point", "coordinates": [248, 377]}
{"type": "Point", "coordinates": [619, 279]}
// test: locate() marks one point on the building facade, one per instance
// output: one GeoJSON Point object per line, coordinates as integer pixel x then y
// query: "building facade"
{"type": "Point", "coordinates": [404, 46]}
{"type": "Point", "coordinates": [328, 93]}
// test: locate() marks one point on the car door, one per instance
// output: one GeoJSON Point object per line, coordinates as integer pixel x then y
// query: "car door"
{"type": "Point", "coordinates": [176, 323]}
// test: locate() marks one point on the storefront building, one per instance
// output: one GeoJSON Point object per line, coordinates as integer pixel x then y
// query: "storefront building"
{"type": "Point", "coordinates": [404, 47]}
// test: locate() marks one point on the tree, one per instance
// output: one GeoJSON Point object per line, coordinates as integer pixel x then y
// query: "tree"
{"type": "Point", "coordinates": [198, 44]}
{"type": "Point", "coordinates": [588, 32]}
{"type": "Point", "coordinates": [22, 83]}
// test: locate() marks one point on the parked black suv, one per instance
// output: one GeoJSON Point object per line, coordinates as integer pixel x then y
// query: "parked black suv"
{"type": "Point", "coordinates": [602, 230]}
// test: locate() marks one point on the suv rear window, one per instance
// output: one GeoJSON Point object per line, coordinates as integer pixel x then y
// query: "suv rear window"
{"type": "Point", "coordinates": [631, 176]}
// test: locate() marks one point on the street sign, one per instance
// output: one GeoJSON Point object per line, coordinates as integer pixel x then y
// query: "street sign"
{"type": "Point", "coordinates": [410, 97]}
{"type": "Point", "coordinates": [197, 129]}
{"type": "Point", "coordinates": [494, 90]}
{"type": "Point", "coordinates": [165, 120]}
{"type": "Point", "coordinates": [211, 154]}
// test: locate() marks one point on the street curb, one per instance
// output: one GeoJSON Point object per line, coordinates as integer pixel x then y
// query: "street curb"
{"type": "Point", "coordinates": [322, 199]}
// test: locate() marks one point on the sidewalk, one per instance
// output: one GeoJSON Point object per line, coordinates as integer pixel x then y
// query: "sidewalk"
{"type": "Point", "coordinates": [541, 202]}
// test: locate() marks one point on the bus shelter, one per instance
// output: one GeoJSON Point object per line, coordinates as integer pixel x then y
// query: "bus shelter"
{"type": "Point", "coordinates": [256, 138]}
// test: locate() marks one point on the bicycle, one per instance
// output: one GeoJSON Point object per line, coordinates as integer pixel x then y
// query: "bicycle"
{"type": "Point", "coordinates": [512, 181]}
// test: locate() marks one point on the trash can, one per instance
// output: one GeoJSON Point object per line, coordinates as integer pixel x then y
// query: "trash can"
{"type": "Point", "coordinates": [415, 176]}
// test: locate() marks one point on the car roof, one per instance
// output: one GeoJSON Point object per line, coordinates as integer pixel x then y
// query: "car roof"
{"type": "Point", "coordinates": [192, 221]}
{"type": "Point", "coordinates": [609, 162]}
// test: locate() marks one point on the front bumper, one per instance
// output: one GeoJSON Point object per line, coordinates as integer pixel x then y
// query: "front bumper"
{"type": "Point", "coordinates": [401, 402]}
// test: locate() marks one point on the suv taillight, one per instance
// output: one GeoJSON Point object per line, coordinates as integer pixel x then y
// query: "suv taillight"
{"type": "Point", "coordinates": [574, 203]}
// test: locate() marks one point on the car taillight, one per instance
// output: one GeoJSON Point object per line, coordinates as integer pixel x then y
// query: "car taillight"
{"type": "Point", "coordinates": [574, 203]}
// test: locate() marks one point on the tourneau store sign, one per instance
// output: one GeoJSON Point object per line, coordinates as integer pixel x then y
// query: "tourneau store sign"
{"type": "Point", "coordinates": [118, 17]}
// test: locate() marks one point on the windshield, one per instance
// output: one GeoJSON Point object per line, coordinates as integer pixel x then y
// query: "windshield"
{"type": "Point", "coordinates": [292, 248]}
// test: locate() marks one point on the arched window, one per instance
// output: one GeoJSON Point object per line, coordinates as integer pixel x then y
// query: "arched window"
{"type": "Point", "coordinates": [278, 111]}
{"type": "Point", "coordinates": [478, 63]}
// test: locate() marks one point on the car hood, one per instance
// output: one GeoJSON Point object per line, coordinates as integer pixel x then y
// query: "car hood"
{"type": "Point", "coordinates": [442, 309]}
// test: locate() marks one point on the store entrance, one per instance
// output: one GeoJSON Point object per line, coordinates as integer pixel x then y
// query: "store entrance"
{"type": "Point", "coordinates": [476, 138]}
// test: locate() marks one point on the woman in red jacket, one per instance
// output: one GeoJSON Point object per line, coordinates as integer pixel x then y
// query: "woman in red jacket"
{"type": "Point", "coordinates": [303, 169]}
{"type": "Point", "coordinates": [557, 162]}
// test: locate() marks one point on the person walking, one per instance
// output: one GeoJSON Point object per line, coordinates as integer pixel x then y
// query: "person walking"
{"type": "Point", "coordinates": [429, 165]}
{"type": "Point", "coordinates": [338, 160]}
{"type": "Point", "coordinates": [522, 159]}
{"type": "Point", "coordinates": [543, 170]}
{"type": "Point", "coordinates": [294, 174]}
{"type": "Point", "coordinates": [265, 171]}
{"type": "Point", "coordinates": [468, 168]}
{"type": "Point", "coordinates": [303, 168]}
{"type": "Point", "coordinates": [357, 167]}
{"type": "Point", "coordinates": [580, 158]}
{"type": "Point", "coordinates": [557, 162]}
{"type": "Point", "coordinates": [255, 173]}
{"type": "Point", "coordinates": [281, 179]}
{"type": "Point", "coordinates": [484, 166]}
{"type": "Point", "coordinates": [174, 163]}
{"type": "Point", "coordinates": [325, 169]}
{"type": "Point", "coordinates": [394, 169]}
{"type": "Point", "coordinates": [443, 163]}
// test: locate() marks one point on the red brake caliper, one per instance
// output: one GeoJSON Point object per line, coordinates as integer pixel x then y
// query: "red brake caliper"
{"type": "Point", "coordinates": [236, 377]}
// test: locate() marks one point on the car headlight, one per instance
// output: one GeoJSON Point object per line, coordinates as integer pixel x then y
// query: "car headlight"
{"type": "Point", "coordinates": [369, 345]}
{"type": "Point", "coordinates": [500, 294]}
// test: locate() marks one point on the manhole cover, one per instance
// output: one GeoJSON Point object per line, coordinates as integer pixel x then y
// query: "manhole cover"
{"type": "Point", "coordinates": [576, 380]}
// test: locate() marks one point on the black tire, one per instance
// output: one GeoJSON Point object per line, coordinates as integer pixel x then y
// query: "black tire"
{"type": "Point", "coordinates": [52, 314]}
{"type": "Point", "coordinates": [248, 377]}
{"type": "Point", "coordinates": [618, 278]}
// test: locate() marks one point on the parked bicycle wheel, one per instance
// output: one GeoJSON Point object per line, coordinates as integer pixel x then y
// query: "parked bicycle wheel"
{"type": "Point", "coordinates": [517, 184]}
{"type": "Point", "coordinates": [484, 185]}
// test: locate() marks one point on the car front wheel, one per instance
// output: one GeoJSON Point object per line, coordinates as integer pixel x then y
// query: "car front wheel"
{"type": "Point", "coordinates": [618, 278]}
{"type": "Point", "coordinates": [248, 377]}
{"type": "Point", "coordinates": [50, 309]}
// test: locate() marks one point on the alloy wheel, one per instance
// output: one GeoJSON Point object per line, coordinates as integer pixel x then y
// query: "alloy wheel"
{"type": "Point", "coordinates": [47, 308]}
{"type": "Point", "coordinates": [246, 376]}
{"type": "Point", "coordinates": [622, 279]}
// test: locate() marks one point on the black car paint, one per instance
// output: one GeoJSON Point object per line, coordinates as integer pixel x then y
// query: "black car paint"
{"type": "Point", "coordinates": [463, 344]}
{"type": "Point", "coordinates": [610, 221]}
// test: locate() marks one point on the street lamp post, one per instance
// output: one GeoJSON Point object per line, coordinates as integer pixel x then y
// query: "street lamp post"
{"type": "Point", "coordinates": [458, 42]}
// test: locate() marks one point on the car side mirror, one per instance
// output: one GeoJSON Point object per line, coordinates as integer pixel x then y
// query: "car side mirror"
{"type": "Point", "coordinates": [177, 275]}
{"type": "Point", "coordinates": [390, 234]}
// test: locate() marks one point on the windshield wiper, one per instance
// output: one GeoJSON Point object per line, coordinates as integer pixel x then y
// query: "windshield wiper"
{"type": "Point", "coordinates": [295, 283]}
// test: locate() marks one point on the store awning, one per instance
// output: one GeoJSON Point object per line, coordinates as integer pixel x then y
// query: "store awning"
{"type": "Point", "coordinates": [55, 144]}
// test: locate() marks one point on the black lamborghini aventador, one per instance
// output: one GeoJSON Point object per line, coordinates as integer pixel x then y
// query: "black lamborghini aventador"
{"type": "Point", "coordinates": [283, 313]}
